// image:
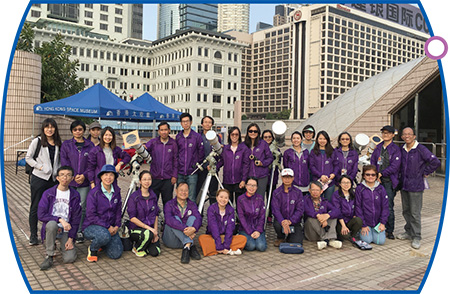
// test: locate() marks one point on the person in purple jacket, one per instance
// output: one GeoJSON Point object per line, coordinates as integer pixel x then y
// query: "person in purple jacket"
{"type": "Point", "coordinates": [60, 212]}
{"type": "Point", "coordinates": [296, 158]}
{"type": "Point", "coordinates": [105, 153]}
{"type": "Point", "coordinates": [287, 208]}
{"type": "Point", "coordinates": [417, 163]}
{"type": "Point", "coordinates": [219, 232]}
{"type": "Point", "coordinates": [235, 161]}
{"type": "Point", "coordinates": [345, 157]}
{"type": "Point", "coordinates": [349, 224]}
{"type": "Point", "coordinates": [143, 212]}
{"type": "Point", "coordinates": [252, 213]}
{"type": "Point", "coordinates": [74, 153]}
{"type": "Point", "coordinates": [321, 164]}
{"type": "Point", "coordinates": [164, 167]}
{"type": "Point", "coordinates": [190, 152]}
{"type": "Point", "coordinates": [260, 157]}
{"type": "Point", "coordinates": [321, 218]}
{"type": "Point", "coordinates": [372, 207]}
{"type": "Point", "coordinates": [387, 158]}
{"type": "Point", "coordinates": [182, 222]}
{"type": "Point", "coordinates": [104, 216]}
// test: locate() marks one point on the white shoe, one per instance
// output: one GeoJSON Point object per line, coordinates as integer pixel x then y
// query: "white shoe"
{"type": "Point", "coordinates": [321, 245]}
{"type": "Point", "coordinates": [230, 252]}
{"type": "Point", "coordinates": [237, 252]}
{"type": "Point", "coordinates": [415, 244]}
{"type": "Point", "coordinates": [403, 236]}
{"type": "Point", "coordinates": [335, 244]}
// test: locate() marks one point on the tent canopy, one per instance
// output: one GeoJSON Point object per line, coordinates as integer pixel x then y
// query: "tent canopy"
{"type": "Point", "coordinates": [95, 102]}
{"type": "Point", "coordinates": [159, 110]}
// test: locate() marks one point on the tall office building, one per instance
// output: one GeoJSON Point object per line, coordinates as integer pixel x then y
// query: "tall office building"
{"type": "Point", "coordinates": [173, 17]}
{"type": "Point", "coordinates": [118, 21]}
{"type": "Point", "coordinates": [282, 13]}
{"type": "Point", "coordinates": [233, 17]}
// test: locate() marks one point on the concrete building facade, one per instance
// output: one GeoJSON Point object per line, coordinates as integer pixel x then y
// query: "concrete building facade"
{"type": "Point", "coordinates": [233, 17]}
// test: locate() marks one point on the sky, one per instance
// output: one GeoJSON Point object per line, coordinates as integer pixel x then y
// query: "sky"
{"type": "Point", "coordinates": [258, 13]}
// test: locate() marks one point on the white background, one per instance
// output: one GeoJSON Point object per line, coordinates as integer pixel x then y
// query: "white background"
{"type": "Point", "coordinates": [10, 276]}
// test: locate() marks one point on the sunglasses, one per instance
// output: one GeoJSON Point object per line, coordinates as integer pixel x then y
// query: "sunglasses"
{"type": "Point", "coordinates": [77, 130]}
{"type": "Point", "coordinates": [370, 175]}
{"type": "Point", "coordinates": [252, 131]}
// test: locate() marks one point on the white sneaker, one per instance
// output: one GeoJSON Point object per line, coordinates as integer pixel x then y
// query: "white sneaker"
{"type": "Point", "coordinates": [415, 244]}
{"type": "Point", "coordinates": [335, 244]}
{"type": "Point", "coordinates": [237, 252]}
{"type": "Point", "coordinates": [403, 236]}
{"type": "Point", "coordinates": [321, 245]}
{"type": "Point", "coordinates": [230, 252]}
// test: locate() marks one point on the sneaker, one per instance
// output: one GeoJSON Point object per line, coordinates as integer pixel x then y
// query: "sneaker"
{"type": "Point", "coordinates": [194, 253]}
{"type": "Point", "coordinates": [237, 252]}
{"type": "Point", "coordinates": [185, 256]}
{"type": "Point", "coordinates": [335, 244]}
{"type": "Point", "coordinates": [404, 236]}
{"type": "Point", "coordinates": [278, 242]}
{"type": "Point", "coordinates": [390, 235]}
{"type": "Point", "coordinates": [33, 240]}
{"type": "Point", "coordinates": [80, 238]}
{"type": "Point", "coordinates": [47, 263]}
{"type": "Point", "coordinates": [139, 253]}
{"type": "Point", "coordinates": [230, 252]}
{"type": "Point", "coordinates": [321, 245]}
{"type": "Point", "coordinates": [92, 255]}
{"type": "Point", "coordinates": [415, 244]}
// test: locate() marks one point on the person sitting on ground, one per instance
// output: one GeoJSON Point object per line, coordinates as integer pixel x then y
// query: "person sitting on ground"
{"type": "Point", "coordinates": [320, 224]}
{"type": "Point", "coordinates": [372, 206]}
{"type": "Point", "coordinates": [182, 222]}
{"type": "Point", "coordinates": [143, 212]}
{"type": "Point", "coordinates": [349, 224]}
{"type": "Point", "coordinates": [287, 208]}
{"type": "Point", "coordinates": [104, 216]}
{"type": "Point", "coordinates": [219, 233]}
{"type": "Point", "coordinates": [59, 211]}
{"type": "Point", "coordinates": [252, 212]}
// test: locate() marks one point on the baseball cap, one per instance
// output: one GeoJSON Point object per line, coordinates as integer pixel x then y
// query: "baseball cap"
{"type": "Point", "coordinates": [287, 172]}
{"type": "Point", "coordinates": [94, 125]}
{"type": "Point", "coordinates": [390, 129]}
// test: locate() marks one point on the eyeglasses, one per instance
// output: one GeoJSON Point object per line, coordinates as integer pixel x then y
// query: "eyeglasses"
{"type": "Point", "coordinates": [185, 121]}
{"type": "Point", "coordinates": [65, 176]}
{"type": "Point", "coordinates": [370, 175]}
{"type": "Point", "coordinates": [408, 135]}
{"type": "Point", "coordinates": [77, 130]}
{"type": "Point", "coordinates": [252, 131]}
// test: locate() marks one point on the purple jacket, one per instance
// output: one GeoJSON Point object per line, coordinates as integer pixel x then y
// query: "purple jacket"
{"type": "Point", "coordinates": [252, 213]}
{"type": "Point", "coordinates": [171, 210]}
{"type": "Point", "coordinates": [45, 210]}
{"type": "Point", "coordinates": [346, 208]}
{"type": "Point", "coordinates": [320, 165]}
{"type": "Point", "coordinates": [416, 164]}
{"type": "Point", "coordinates": [262, 153]}
{"type": "Point", "coordinates": [298, 165]}
{"type": "Point", "coordinates": [235, 165]}
{"type": "Point", "coordinates": [371, 206]}
{"type": "Point", "coordinates": [164, 158]}
{"type": "Point", "coordinates": [288, 206]}
{"type": "Point", "coordinates": [325, 207]}
{"type": "Point", "coordinates": [350, 163]}
{"type": "Point", "coordinates": [221, 226]}
{"type": "Point", "coordinates": [102, 212]}
{"type": "Point", "coordinates": [78, 160]}
{"type": "Point", "coordinates": [395, 155]}
{"type": "Point", "coordinates": [190, 151]}
{"type": "Point", "coordinates": [97, 160]}
{"type": "Point", "coordinates": [144, 210]}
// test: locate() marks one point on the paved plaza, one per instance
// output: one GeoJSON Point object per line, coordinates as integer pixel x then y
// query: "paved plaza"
{"type": "Point", "coordinates": [393, 266]}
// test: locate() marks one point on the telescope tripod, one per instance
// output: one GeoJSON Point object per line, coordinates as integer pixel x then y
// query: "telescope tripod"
{"type": "Point", "coordinates": [275, 164]}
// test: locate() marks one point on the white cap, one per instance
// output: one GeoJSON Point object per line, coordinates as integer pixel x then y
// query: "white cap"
{"type": "Point", "coordinates": [287, 172]}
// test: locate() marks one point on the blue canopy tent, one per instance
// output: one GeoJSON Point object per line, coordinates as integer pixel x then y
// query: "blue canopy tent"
{"type": "Point", "coordinates": [161, 112]}
{"type": "Point", "coordinates": [95, 102]}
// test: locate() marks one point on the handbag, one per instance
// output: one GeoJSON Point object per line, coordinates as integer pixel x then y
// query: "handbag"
{"type": "Point", "coordinates": [28, 168]}
{"type": "Point", "coordinates": [291, 248]}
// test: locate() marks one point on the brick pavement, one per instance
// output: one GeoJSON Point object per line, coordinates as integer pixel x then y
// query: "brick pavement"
{"type": "Point", "coordinates": [393, 266]}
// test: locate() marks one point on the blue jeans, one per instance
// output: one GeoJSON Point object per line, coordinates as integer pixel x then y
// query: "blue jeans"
{"type": "Point", "coordinates": [191, 180]}
{"type": "Point", "coordinates": [374, 237]}
{"type": "Point", "coordinates": [259, 244]}
{"type": "Point", "coordinates": [328, 193]}
{"type": "Point", "coordinates": [391, 195]}
{"type": "Point", "coordinates": [174, 238]}
{"type": "Point", "coordinates": [83, 195]}
{"type": "Point", "coordinates": [101, 238]}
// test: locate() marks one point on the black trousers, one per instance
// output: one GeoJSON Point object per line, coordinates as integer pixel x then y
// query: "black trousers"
{"type": "Point", "coordinates": [137, 236]}
{"type": "Point", "coordinates": [213, 185]}
{"type": "Point", "coordinates": [37, 187]}
{"type": "Point", "coordinates": [296, 237]}
{"type": "Point", "coordinates": [235, 191]}
{"type": "Point", "coordinates": [163, 188]}
{"type": "Point", "coordinates": [354, 225]}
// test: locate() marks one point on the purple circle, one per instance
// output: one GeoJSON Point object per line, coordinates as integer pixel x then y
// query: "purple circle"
{"type": "Point", "coordinates": [431, 55]}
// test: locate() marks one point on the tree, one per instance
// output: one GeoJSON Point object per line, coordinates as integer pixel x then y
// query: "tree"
{"type": "Point", "coordinates": [284, 114]}
{"type": "Point", "coordinates": [59, 74]}
{"type": "Point", "coordinates": [26, 37]}
{"type": "Point", "coordinates": [270, 116]}
{"type": "Point", "coordinates": [244, 117]}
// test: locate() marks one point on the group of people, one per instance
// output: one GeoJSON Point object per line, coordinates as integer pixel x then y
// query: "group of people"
{"type": "Point", "coordinates": [74, 191]}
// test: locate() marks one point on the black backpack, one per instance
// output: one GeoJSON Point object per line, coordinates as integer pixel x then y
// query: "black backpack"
{"type": "Point", "coordinates": [28, 168]}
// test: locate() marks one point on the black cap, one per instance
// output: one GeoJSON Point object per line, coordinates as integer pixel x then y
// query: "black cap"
{"type": "Point", "coordinates": [390, 129]}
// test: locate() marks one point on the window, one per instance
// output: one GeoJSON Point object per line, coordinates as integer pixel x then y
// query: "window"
{"type": "Point", "coordinates": [88, 23]}
{"type": "Point", "coordinates": [217, 113]}
{"type": "Point", "coordinates": [119, 11]}
{"type": "Point", "coordinates": [217, 98]}
{"type": "Point", "coordinates": [104, 8]}
{"type": "Point", "coordinates": [104, 17]}
{"type": "Point", "coordinates": [35, 13]}
{"type": "Point", "coordinates": [103, 26]}
{"type": "Point", "coordinates": [218, 55]}
{"type": "Point", "coordinates": [118, 30]}
{"type": "Point", "coordinates": [89, 5]}
{"type": "Point", "coordinates": [217, 84]}
{"type": "Point", "coordinates": [118, 20]}
{"type": "Point", "coordinates": [217, 69]}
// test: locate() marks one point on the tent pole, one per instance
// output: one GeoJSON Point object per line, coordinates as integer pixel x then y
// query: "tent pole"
{"type": "Point", "coordinates": [154, 128]}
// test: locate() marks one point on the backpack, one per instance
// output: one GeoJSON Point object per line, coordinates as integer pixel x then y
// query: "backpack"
{"type": "Point", "coordinates": [28, 168]}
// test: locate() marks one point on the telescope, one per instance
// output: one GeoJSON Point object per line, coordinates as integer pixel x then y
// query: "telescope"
{"type": "Point", "coordinates": [279, 128]}
{"type": "Point", "coordinates": [362, 141]}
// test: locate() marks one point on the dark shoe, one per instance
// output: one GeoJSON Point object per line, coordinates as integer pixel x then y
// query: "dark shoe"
{"type": "Point", "coordinates": [47, 263]}
{"type": "Point", "coordinates": [80, 238]}
{"type": "Point", "coordinates": [194, 253]}
{"type": "Point", "coordinates": [390, 236]}
{"type": "Point", "coordinates": [278, 242]}
{"type": "Point", "coordinates": [33, 240]}
{"type": "Point", "coordinates": [185, 256]}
